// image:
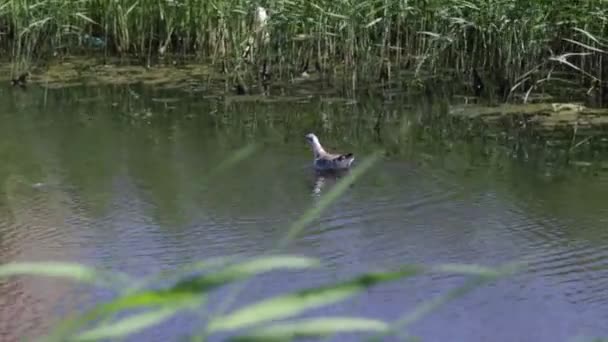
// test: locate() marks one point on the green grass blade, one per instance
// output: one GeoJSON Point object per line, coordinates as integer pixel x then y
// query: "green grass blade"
{"type": "Point", "coordinates": [336, 15]}
{"type": "Point", "coordinates": [195, 289]}
{"type": "Point", "coordinates": [147, 299]}
{"type": "Point", "coordinates": [373, 22]}
{"type": "Point", "coordinates": [181, 272]}
{"type": "Point", "coordinates": [464, 269]}
{"type": "Point", "coordinates": [238, 156]}
{"type": "Point", "coordinates": [129, 325]}
{"type": "Point", "coordinates": [84, 17]}
{"type": "Point", "coordinates": [315, 327]}
{"type": "Point", "coordinates": [66, 270]}
{"type": "Point", "coordinates": [429, 306]}
{"type": "Point", "coordinates": [192, 290]}
{"type": "Point", "coordinates": [159, 300]}
{"type": "Point", "coordinates": [590, 36]}
{"type": "Point", "coordinates": [50, 269]}
{"type": "Point", "coordinates": [244, 270]}
{"type": "Point", "coordinates": [583, 45]}
{"type": "Point", "coordinates": [269, 263]}
{"type": "Point", "coordinates": [288, 305]}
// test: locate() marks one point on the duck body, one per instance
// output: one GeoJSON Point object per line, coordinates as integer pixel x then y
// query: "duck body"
{"type": "Point", "coordinates": [20, 81]}
{"type": "Point", "coordinates": [332, 162]}
{"type": "Point", "coordinates": [324, 161]}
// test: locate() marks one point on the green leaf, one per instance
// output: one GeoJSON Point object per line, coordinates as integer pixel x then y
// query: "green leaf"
{"type": "Point", "coordinates": [285, 306]}
{"type": "Point", "coordinates": [146, 299]}
{"type": "Point", "coordinates": [182, 272]}
{"type": "Point", "coordinates": [315, 327]}
{"type": "Point", "coordinates": [432, 34]}
{"type": "Point", "coordinates": [132, 8]}
{"type": "Point", "coordinates": [466, 270]}
{"type": "Point", "coordinates": [236, 157]}
{"type": "Point", "coordinates": [429, 306]}
{"type": "Point", "coordinates": [129, 325]}
{"type": "Point", "coordinates": [373, 22]}
{"type": "Point", "coordinates": [71, 271]}
{"type": "Point", "coordinates": [84, 17]}
{"type": "Point", "coordinates": [160, 300]}
{"type": "Point", "coordinates": [193, 291]}
{"type": "Point", "coordinates": [336, 15]}
{"type": "Point", "coordinates": [244, 270]}
{"type": "Point", "coordinates": [590, 36]}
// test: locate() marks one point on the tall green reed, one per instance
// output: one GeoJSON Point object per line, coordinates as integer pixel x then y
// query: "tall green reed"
{"type": "Point", "coordinates": [524, 43]}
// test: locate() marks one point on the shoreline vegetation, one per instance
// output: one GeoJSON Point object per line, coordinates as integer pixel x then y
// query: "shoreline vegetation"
{"type": "Point", "coordinates": [507, 55]}
{"type": "Point", "coordinates": [495, 48]}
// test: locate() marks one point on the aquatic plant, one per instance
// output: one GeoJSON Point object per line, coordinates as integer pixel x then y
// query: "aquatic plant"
{"type": "Point", "coordinates": [515, 44]}
{"type": "Point", "coordinates": [194, 283]}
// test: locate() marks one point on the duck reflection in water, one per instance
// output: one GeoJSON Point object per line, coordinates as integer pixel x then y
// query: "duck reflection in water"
{"type": "Point", "coordinates": [323, 178]}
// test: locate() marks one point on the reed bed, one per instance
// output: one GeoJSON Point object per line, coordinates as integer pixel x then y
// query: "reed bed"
{"type": "Point", "coordinates": [522, 42]}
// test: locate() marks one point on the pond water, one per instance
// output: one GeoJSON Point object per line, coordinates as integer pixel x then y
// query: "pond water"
{"type": "Point", "coordinates": [115, 177]}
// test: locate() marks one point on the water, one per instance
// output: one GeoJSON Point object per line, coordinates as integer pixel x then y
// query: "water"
{"type": "Point", "coordinates": [116, 178]}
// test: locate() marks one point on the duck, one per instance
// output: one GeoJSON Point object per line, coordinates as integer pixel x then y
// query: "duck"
{"type": "Point", "coordinates": [324, 161]}
{"type": "Point", "coordinates": [21, 80]}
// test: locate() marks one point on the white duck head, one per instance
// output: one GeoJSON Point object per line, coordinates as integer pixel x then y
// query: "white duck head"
{"type": "Point", "coordinates": [314, 144]}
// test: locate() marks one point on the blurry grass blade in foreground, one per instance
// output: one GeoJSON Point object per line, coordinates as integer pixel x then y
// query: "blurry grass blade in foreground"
{"type": "Point", "coordinates": [244, 270]}
{"type": "Point", "coordinates": [313, 327]}
{"type": "Point", "coordinates": [281, 307]}
{"type": "Point", "coordinates": [181, 272]}
{"type": "Point", "coordinates": [230, 265]}
{"type": "Point", "coordinates": [129, 325]}
{"type": "Point", "coordinates": [66, 270]}
{"type": "Point", "coordinates": [236, 157]}
{"type": "Point", "coordinates": [190, 294]}
{"type": "Point", "coordinates": [163, 304]}
{"type": "Point", "coordinates": [308, 217]}
{"type": "Point", "coordinates": [482, 277]}
{"type": "Point", "coordinates": [285, 306]}
{"type": "Point", "coordinates": [475, 270]}
{"type": "Point", "coordinates": [184, 295]}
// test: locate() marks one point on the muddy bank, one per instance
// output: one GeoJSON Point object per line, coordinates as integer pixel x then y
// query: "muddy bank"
{"type": "Point", "coordinates": [92, 72]}
{"type": "Point", "coordinates": [555, 120]}
{"type": "Point", "coordinates": [191, 77]}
